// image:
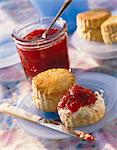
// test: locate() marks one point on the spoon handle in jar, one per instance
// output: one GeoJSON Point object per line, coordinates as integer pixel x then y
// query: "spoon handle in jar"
{"type": "Point", "coordinates": [64, 6]}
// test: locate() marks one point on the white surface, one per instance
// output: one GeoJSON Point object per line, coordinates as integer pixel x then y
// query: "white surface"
{"type": "Point", "coordinates": [95, 81]}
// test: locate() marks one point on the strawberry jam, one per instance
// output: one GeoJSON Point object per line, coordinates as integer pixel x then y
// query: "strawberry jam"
{"type": "Point", "coordinates": [76, 97]}
{"type": "Point", "coordinates": [36, 60]}
{"type": "Point", "coordinates": [38, 54]}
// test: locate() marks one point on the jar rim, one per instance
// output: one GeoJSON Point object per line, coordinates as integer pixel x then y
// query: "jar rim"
{"type": "Point", "coordinates": [35, 42]}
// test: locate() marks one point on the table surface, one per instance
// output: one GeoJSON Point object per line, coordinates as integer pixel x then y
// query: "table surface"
{"type": "Point", "coordinates": [14, 86]}
{"type": "Point", "coordinates": [14, 138]}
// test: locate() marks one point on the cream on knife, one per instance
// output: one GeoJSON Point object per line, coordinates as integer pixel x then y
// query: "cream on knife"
{"type": "Point", "coordinates": [7, 108]}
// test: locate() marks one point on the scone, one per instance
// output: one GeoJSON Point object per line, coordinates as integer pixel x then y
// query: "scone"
{"type": "Point", "coordinates": [93, 35]}
{"type": "Point", "coordinates": [89, 24]}
{"type": "Point", "coordinates": [109, 30]}
{"type": "Point", "coordinates": [49, 86]}
{"type": "Point", "coordinates": [92, 19]}
{"type": "Point", "coordinates": [110, 38]}
{"type": "Point", "coordinates": [80, 107]}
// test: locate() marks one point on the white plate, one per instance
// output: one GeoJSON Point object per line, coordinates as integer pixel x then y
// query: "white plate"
{"type": "Point", "coordinates": [94, 81]}
{"type": "Point", "coordinates": [94, 49]}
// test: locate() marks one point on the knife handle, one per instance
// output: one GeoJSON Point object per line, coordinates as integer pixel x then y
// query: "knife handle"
{"type": "Point", "coordinates": [9, 109]}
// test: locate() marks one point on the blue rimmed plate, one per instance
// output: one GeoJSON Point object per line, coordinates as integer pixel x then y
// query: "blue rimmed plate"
{"type": "Point", "coordinates": [92, 80]}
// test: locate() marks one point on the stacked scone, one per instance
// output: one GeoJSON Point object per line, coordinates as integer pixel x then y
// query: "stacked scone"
{"type": "Point", "coordinates": [89, 24]}
{"type": "Point", "coordinates": [49, 86]}
{"type": "Point", "coordinates": [81, 106]}
{"type": "Point", "coordinates": [109, 30]}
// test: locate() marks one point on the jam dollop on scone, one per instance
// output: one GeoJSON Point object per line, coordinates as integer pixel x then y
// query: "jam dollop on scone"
{"type": "Point", "coordinates": [81, 106]}
{"type": "Point", "coordinates": [49, 86]}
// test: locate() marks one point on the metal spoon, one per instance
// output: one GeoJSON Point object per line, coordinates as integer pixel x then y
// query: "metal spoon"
{"type": "Point", "coordinates": [63, 7]}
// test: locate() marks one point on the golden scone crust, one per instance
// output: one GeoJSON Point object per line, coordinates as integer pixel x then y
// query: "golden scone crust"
{"type": "Point", "coordinates": [110, 25]}
{"type": "Point", "coordinates": [49, 86]}
{"type": "Point", "coordinates": [91, 35]}
{"type": "Point", "coordinates": [92, 19]}
{"type": "Point", "coordinates": [110, 38]}
{"type": "Point", "coordinates": [86, 115]}
{"type": "Point", "coordinates": [109, 30]}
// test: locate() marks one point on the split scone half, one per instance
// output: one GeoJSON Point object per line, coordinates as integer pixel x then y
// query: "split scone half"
{"type": "Point", "coordinates": [80, 107]}
{"type": "Point", "coordinates": [49, 86]}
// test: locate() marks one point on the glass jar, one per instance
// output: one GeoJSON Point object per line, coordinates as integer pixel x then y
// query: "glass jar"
{"type": "Point", "coordinates": [38, 54]}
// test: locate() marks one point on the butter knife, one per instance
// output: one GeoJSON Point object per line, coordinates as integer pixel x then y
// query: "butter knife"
{"type": "Point", "coordinates": [9, 109]}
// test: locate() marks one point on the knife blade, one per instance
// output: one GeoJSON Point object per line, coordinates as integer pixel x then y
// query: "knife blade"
{"type": "Point", "coordinates": [9, 109]}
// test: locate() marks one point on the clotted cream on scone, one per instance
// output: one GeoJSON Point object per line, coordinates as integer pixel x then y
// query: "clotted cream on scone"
{"type": "Point", "coordinates": [80, 106]}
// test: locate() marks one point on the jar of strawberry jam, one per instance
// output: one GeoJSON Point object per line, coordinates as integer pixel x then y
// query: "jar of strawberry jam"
{"type": "Point", "coordinates": [38, 54]}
